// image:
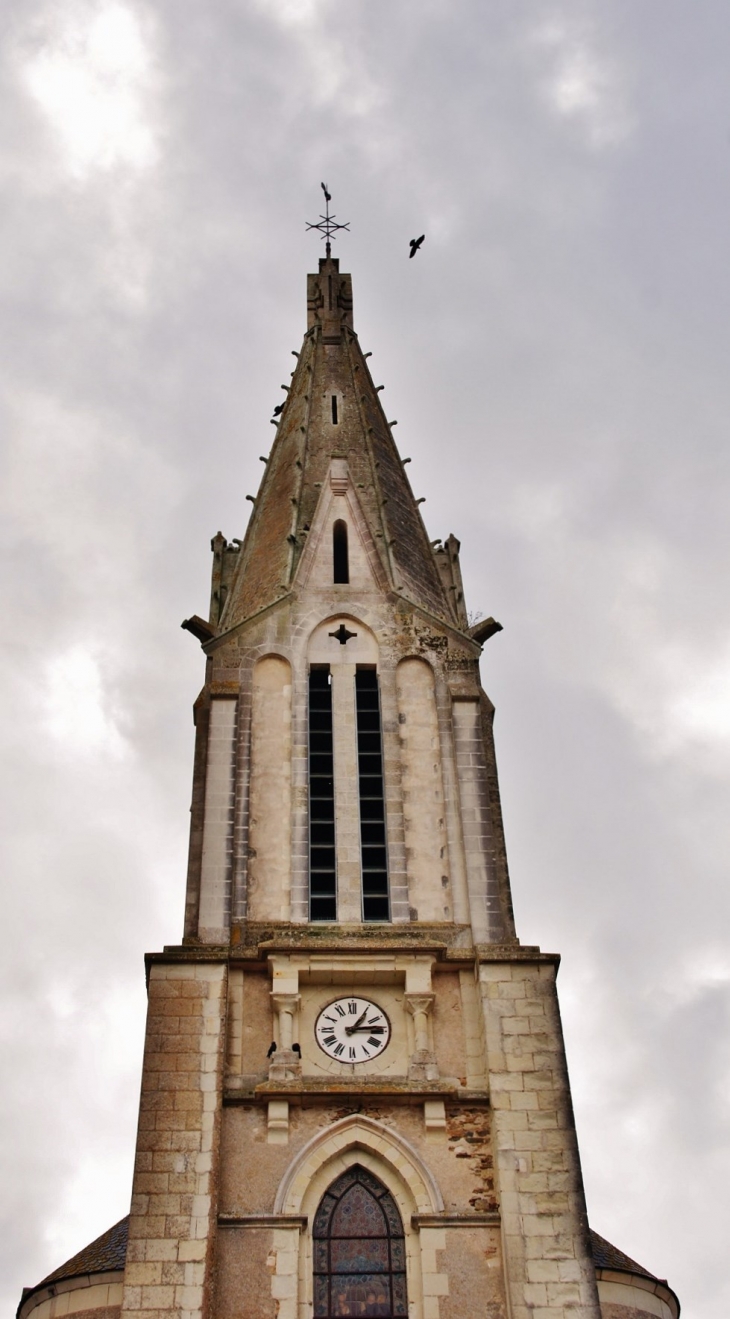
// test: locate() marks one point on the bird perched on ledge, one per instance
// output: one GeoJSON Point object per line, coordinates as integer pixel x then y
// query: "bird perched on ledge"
{"type": "Point", "coordinates": [415, 244]}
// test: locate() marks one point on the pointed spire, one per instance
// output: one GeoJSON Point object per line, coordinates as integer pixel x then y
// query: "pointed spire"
{"type": "Point", "coordinates": [333, 410]}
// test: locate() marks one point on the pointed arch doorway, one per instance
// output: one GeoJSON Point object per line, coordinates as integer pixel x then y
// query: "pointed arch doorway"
{"type": "Point", "coordinates": [359, 1251]}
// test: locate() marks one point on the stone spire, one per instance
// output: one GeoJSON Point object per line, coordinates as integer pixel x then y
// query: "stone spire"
{"type": "Point", "coordinates": [333, 410]}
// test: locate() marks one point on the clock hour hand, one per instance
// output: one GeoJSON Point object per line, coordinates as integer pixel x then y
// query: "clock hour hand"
{"type": "Point", "coordinates": [372, 1030]}
{"type": "Point", "coordinates": [350, 1030]}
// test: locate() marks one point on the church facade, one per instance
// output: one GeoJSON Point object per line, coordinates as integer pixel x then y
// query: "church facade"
{"type": "Point", "coordinates": [355, 1098]}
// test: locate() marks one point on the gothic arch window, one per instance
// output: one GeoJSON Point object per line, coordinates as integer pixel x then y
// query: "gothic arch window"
{"type": "Point", "coordinates": [359, 1250]}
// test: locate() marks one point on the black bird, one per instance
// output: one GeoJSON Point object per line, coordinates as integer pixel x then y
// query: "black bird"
{"type": "Point", "coordinates": [415, 244]}
{"type": "Point", "coordinates": [271, 1049]}
{"type": "Point", "coordinates": [279, 409]}
{"type": "Point", "coordinates": [327, 195]}
{"type": "Point", "coordinates": [297, 1049]}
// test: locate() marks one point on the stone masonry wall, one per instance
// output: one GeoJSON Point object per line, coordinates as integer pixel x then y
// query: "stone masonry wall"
{"type": "Point", "coordinates": [174, 1193]}
{"type": "Point", "coordinates": [550, 1272]}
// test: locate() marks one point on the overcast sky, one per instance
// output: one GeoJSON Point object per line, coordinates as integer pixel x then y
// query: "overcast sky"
{"type": "Point", "coordinates": [557, 359]}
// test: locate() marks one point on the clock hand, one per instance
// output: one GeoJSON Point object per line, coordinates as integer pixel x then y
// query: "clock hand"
{"type": "Point", "coordinates": [350, 1030]}
{"type": "Point", "coordinates": [374, 1030]}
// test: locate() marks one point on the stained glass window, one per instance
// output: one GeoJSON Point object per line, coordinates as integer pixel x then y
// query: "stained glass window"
{"type": "Point", "coordinates": [359, 1250]}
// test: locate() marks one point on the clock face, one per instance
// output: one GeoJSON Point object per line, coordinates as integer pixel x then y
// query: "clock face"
{"type": "Point", "coordinates": [352, 1030]}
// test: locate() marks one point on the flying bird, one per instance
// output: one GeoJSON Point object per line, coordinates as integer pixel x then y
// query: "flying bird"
{"type": "Point", "coordinates": [415, 244]}
{"type": "Point", "coordinates": [327, 195]}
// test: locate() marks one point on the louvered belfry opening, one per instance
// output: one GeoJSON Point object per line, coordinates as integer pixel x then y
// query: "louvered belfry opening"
{"type": "Point", "coordinates": [322, 865]}
{"type": "Point", "coordinates": [375, 898]}
{"type": "Point", "coordinates": [359, 1250]}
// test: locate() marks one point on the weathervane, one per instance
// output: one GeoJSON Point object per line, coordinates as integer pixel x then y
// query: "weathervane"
{"type": "Point", "coordinates": [327, 226]}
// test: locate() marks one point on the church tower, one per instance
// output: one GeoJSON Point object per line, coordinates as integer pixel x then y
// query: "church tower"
{"type": "Point", "coordinates": [355, 1098]}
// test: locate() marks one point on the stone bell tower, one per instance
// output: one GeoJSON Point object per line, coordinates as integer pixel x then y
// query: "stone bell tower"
{"type": "Point", "coordinates": [355, 1098]}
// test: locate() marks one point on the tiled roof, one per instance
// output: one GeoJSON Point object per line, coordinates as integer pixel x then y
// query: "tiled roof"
{"type": "Point", "coordinates": [107, 1253]}
{"type": "Point", "coordinates": [606, 1256]}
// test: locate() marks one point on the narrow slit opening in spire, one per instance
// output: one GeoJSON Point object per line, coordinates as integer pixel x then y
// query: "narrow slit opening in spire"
{"type": "Point", "coordinates": [335, 419]}
{"type": "Point", "coordinates": [340, 555]}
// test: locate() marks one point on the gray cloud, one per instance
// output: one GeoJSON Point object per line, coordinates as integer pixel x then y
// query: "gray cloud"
{"type": "Point", "coordinates": [556, 358]}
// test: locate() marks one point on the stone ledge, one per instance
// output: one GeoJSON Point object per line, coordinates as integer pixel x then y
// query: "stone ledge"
{"type": "Point", "coordinates": [317, 1091]}
{"type": "Point", "coordinates": [492, 1219]}
{"type": "Point", "coordinates": [358, 1085]}
{"type": "Point", "coordinates": [263, 1220]}
{"type": "Point", "coordinates": [508, 952]}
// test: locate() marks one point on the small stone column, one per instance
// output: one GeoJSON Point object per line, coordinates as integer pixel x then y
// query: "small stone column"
{"type": "Point", "coordinates": [285, 1064]}
{"type": "Point", "coordinates": [423, 1066]}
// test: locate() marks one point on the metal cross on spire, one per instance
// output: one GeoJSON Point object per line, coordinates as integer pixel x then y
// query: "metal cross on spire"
{"type": "Point", "coordinates": [327, 226]}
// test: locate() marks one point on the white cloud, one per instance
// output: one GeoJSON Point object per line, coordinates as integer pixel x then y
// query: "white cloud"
{"type": "Point", "coordinates": [79, 714]}
{"type": "Point", "coordinates": [93, 77]}
{"type": "Point", "coordinates": [583, 83]}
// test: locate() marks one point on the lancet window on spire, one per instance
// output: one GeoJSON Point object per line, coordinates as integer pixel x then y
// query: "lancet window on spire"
{"type": "Point", "coordinates": [340, 556]}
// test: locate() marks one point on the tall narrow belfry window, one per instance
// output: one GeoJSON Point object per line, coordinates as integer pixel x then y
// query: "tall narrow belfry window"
{"type": "Point", "coordinates": [375, 901]}
{"type": "Point", "coordinates": [322, 869]}
{"type": "Point", "coordinates": [340, 554]}
{"type": "Point", "coordinates": [359, 1250]}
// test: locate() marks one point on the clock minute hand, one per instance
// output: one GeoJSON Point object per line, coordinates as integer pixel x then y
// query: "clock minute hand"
{"type": "Point", "coordinates": [373, 1030]}
{"type": "Point", "coordinates": [350, 1030]}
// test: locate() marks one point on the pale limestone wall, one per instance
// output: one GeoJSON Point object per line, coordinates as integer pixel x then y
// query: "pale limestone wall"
{"type": "Point", "coordinates": [429, 888]}
{"type": "Point", "coordinates": [550, 1271]}
{"type": "Point", "coordinates": [621, 1311]}
{"type": "Point", "coordinates": [93, 1298]}
{"type": "Point", "coordinates": [476, 818]}
{"type": "Point", "coordinates": [244, 1267]}
{"type": "Point", "coordinates": [269, 869]}
{"type": "Point", "coordinates": [460, 1160]}
{"type": "Point", "coordinates": [174, 1193]}
{"type": "Point", "coordinates": [633, 1298]}
{"type": "Point", "coordinates": [472, 1019]}
{"type": "Point", "coordinates": [472, 1262]}
{"type": "Point", "coordinates": [447, 1017]}
{"type": "Point", "coordinates": [257, 1025]}
{"type": "Point", "coordinates": [215, 873]}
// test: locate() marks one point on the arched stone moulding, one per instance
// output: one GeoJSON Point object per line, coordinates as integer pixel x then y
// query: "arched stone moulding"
{"type": "Point", "coordinates": [359, 1134]}
{"type": "Point", "coordinates": [391, 1158]}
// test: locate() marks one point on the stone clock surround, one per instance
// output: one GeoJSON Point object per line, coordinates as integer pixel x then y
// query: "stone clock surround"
{"type": "Point", "coordinates": [303, 983]}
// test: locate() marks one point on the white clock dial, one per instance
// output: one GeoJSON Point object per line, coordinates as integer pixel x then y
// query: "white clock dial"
{"type": "Point", "coordinates": [352, 1030]}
